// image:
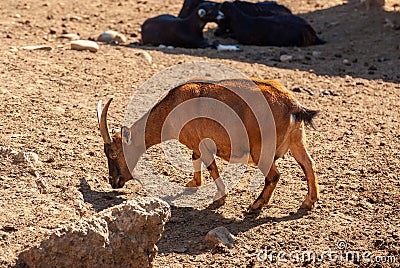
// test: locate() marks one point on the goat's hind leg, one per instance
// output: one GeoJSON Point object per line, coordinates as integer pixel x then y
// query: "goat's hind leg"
{"type": "Point", "coordinates": [271, 180]}
{"type": "Point", "coordinates": [299, 152]}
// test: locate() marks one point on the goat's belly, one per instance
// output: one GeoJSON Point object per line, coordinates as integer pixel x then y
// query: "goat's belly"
{"type": "Point", "coordinates": [238, 159]}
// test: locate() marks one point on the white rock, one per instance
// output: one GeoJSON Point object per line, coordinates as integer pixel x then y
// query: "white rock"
{"type": "Point", "coordinates": [70, 36]}
{"type": "Point", "coordinates": [285, 58]}
{"type": "Point", "coordinates": [316, 53]}
{"type": "Point", "coordinates": [84, 45]}
{"type": "Point", "coordinates": [41, 47]}
{"type": "Point", "coordinates": [111, 36]}
{"type": "Point", "coordinates": [170, 47]}
{"type": "Point", "coordinates": [228, 48]}
{"type": "Point", "coordinates": [121, 236]}
{"type": "Point", "coordinates": [346, 62]}
{"type": "Point", "coordinates": [220, 235]}
{"type": "Point", "coordinates": [146, 56]}
{"type": "Point", "coordinates": [162, 46]}
{"type": "Point", "coordinates": [13, 49]}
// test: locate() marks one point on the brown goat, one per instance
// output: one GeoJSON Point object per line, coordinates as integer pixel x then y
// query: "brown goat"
{"type": "Point", "coordinates": [288, 116]}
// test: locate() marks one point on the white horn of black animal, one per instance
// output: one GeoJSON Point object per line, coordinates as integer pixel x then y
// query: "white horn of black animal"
{"type": "Point", "coordinates": [102, 118]}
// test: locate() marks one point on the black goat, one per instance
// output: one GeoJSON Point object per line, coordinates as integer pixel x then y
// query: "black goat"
{"type": "Point", "coordinates": [181, 32]}
{"type": "Point", "coordinates": [260, 9]}
{"type": "Point", "coordinates": [277, 30]}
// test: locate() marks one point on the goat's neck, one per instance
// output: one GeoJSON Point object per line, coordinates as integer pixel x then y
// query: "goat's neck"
{"type": "Point", "coordinates": [196, 23]}
{"type": "Point", "coordinates": [146, 132]}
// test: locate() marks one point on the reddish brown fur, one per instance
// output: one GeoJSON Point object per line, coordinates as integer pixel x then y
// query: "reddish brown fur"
{"type": "Point", "coordinates": [289, 132]}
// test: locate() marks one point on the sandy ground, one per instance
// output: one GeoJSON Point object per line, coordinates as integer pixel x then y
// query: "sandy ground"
{"type": "Point", "coordinates": [48, 106]}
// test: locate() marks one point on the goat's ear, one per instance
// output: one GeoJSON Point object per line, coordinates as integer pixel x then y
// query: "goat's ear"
{"type": "Point", "coordinates": [126, 135]}
{"type": "Point", "coordinates": [201, 12]}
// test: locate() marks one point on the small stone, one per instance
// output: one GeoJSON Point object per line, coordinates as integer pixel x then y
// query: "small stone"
{"type": "Point", "coordinates": [162, 46]}
{"type": "Point", "coordinates": [285, 58]}
{"type": "Point", "coordinates": [59, 110]}
{"type": "Point", "coordinates": [84, 45]}
{"type": "Point", "coordinates": [18, 16]}
{"type": "Point", "coordinates": [145, 55]}
{"type": "Point", "coordinates": [297, 89]}
{"type": "Point", "coordinates": [111, 36]}
{"type": "Point", "coordinates": [309, 91]}
{"type": "Point", "coordinates": [316, 53]}
{"type": "Point", "coordinates": [69, 36]}
{"type": "Point", "coordinates": [41, 47]}
{"type": "Point", "coordinates": [220, 235]}
{"type": "Point", "coordinates": [52, 31]}
{"type": "Point", "coordinates": [170, 47]}
{"type": "Point", "coordinates": [13, 49]}
{"type": "Point", "coordinates": [346, 62]}
{"type": "Point", "coordinates": [228, 48]}
{"type": "Point", "coordinates": [75, 18]}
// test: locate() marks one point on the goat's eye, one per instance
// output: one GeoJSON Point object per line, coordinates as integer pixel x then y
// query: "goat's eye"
{"type": "Point", "coordinates": [113, 155]}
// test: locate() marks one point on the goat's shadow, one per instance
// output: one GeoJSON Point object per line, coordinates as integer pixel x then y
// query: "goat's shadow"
{"type": "Point", "coordinates": [344, 27]}
{"type": "Point", "coordinates": [186, 230]}
{"type": "Point", "coordinates": [99, 200]}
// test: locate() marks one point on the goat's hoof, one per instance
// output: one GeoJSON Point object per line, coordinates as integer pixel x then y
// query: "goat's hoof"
{"type": "Point", "coordinates": [191, 183]}
{"type": "Point", "coordinates": [307, 205]}
{"type": "Point", "coordinates": [251, 211]}
{"type": "Point", "coordinates": [219, 200]}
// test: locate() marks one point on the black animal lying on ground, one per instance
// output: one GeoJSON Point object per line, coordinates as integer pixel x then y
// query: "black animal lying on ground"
{"type": "Point", "coordinates": [277, 30]}
{"type": "Point", "coordinates": [181, 32]}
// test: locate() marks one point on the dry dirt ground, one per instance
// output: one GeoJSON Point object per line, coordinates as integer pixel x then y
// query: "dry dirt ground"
{"type": "Point", "coordinates": [48, 106]}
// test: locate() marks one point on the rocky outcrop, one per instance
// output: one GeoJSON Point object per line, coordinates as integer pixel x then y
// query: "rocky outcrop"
{"type": "Point", "coordinates": [121, 236]}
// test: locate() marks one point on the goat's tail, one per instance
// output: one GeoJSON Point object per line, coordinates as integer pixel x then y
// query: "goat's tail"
{"type": "Point", "coordinates": [306, 115]}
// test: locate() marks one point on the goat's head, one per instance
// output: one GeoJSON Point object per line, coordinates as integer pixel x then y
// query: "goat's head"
{"type": "Point", "coordinates": [209, 12]}
{"type": "Point", "coordinates": [117, 168]}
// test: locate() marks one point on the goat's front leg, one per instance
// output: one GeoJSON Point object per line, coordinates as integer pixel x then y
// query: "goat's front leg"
{"type": "Point", "coordinates": [299, 152]}
{"type": "Point", "coordinates": [271, 180]}
{"type": "Point", "coordinates": [197, 176]}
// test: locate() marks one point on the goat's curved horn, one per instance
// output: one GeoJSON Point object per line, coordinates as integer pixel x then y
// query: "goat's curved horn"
{"type": "Point", "coordinates": [102, 118]}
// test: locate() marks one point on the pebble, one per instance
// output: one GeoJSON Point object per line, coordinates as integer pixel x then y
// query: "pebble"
{"type": "Point", "coordinates": [228, 48]}
{"type": "Point", "coordinates": [145, 55]}
{"type": "Point", "coordinates": [316, 53]}
{"type": "Point", "coordinates": [330, 92]}
{"type": "Point", "coordinates": [111, 36]}
{"type": "Point", "coordinates": [346, 62]}
{"type": "Point", "coordinates": [41, 47]}
{"type": "Point", "coordinates": [285, 58]}
{"type": "Point", "coordinates": [84, 45]}
{"type": "Point", "coordinates": [69, 36]}
{"type": "Point", "coordinates": [17, 16]}
{"type": "Point", "coordinates": [220, 235]}
{"type": "Point", "coordinates": [13, 49]}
